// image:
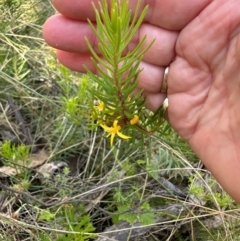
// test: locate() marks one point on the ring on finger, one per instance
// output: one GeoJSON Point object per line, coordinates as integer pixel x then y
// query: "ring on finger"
{"type": "Point", "coordinates": [165, 84]}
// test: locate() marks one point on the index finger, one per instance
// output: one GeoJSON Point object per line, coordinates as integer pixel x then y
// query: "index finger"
{"type": "Point", "coordinates": [169, 14]}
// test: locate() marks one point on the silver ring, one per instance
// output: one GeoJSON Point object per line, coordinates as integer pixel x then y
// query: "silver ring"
{"type": "Point", "coordinates": [165, 84]}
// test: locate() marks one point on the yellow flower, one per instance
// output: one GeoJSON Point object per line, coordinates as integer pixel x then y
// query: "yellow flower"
{"type": "Point", "coordinates": [134, 120]}
{"type": "Point", "coordinates": [100, 106]}
{"type": "Point", "coordinates": [115, 129]}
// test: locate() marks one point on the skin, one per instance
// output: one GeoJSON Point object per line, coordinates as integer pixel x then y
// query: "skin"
{"type": "Point", "coordinates": [200, 41]}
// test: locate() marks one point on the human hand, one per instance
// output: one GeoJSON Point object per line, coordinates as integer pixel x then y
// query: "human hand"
{"type": "Point", "coordinates": [200, 41]}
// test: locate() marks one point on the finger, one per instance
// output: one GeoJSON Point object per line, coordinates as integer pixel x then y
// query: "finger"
{"type": "Point", "coordinates": [162, 51]}
{"type": "Point", "coordinates": [170, 14]}
{"type": "Point", "coordinates": [150, 79]}
{"type": "Point", "coordinates": [69, 35]}
{"type": "Point", "coordinates": [154, 101]}
{"type": "Point", "coordinates": [150, 82]}
{"type": "Point", "coordinates": [75, 61]}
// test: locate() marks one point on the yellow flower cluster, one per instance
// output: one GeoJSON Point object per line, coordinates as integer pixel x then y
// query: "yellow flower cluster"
{"type": "Point", "coordinates": [115, 128]}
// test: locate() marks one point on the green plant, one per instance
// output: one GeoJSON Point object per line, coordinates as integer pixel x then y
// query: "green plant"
{"type": "Point", "coordinates": [76, 100]}
{"type": "Point", "coordinates": [80, 223]}
{"type": "Point", "coordinates": [18, 158]}
{"type": "Point", "coordinates": [117, 110]}
{"type": "Point", "coordinates": [77, 225]}
{"type": "Point", "coordinates": [201, 188]}
{"type": "Point", "coordinates": [128, 208]}
{"type": "Point", "coordinates": [197, 190]}
{"type": "Point", "coordinates": [14, 154]}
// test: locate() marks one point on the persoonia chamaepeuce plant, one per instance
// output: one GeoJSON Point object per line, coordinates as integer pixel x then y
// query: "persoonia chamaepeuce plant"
{"type": "Point", "coordinates": [116, 109]}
